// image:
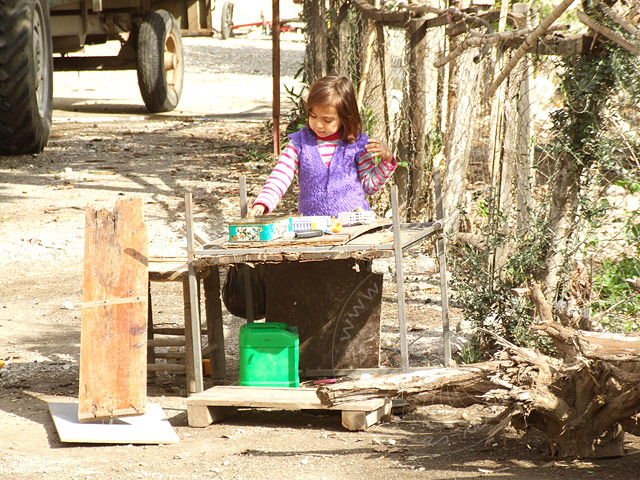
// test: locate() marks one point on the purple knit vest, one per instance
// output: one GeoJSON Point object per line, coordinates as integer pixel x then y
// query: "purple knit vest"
{"type": "Point", "coordinates": [328, 190]}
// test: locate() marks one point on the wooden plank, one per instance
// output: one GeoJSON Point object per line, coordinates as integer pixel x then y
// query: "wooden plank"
{"type": "Point", "coordinates": [354, 420]}
{"type": "Point", "coordinates": [167, 367]}
{"type": "Point", "coordinates": [164, 271]}
{"type": "Point", "coordinates": [113, 353]}
{"type": "Point", "coordinates": [274, 397]}
{"type": "Point", "coordinates": [202, 415]}
{"type": "Point", "coordinates": [166, 342]}
{"type": "Point", "coordinates": [344, 236]}
{"type": "Point", "coordinates": [366, 246]}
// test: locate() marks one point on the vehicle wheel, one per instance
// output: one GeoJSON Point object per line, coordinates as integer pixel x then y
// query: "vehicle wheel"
{"type": "Point", "coordinates": [226, 22]}
{"type": "Point", "coordinates": [160, 61]}
{"type": "Point", "coordinates": [26, 76]}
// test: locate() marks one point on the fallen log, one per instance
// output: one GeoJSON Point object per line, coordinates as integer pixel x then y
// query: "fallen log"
{"type": "Point", "coordinates": [582, 403]}
{"type": "Point", "coordinates": [462, 386]}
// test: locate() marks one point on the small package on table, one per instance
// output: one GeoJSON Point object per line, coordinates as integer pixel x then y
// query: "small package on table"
{"type": "Point", "coordinates": [259, 229]}
{"type": "Point", "coordinates": [315, 222]}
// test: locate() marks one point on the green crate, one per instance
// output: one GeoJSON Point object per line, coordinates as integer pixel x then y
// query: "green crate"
{"type": "Point", "coordinates": [269, 354]}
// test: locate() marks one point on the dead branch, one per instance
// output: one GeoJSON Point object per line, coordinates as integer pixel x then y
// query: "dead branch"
{"type": "Point", "coordinates": [484, 39]}
{"type": "Point", "coordinates": [608, 33]}
{"type": "Point", "coordinates": [543, 309]}
{"type": "Point", "coordinates": [528, 43]}
{"type": "Point", "coordinates": [634, 283]}
{"type": "Point", "coordinates": [378, 15]}
{"type": "Point", "coordinates": [594, 345]}
{"type": "Point", "coordinates": [488, 39]}
{"type": "Point", "coordinates": [516, 20]}
{"type": "Point", "coordinates": [613, 15]}
{"type": "Point", "coordinates": [464, 385]}
{"type": "Point", "coordinates": [581, 407]}
{"type": "Point", "coordinates": [420, 9]}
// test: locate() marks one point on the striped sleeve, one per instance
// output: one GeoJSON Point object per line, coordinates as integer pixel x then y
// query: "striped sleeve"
{"type": "Point", "coordinates": [280, 178]}
{"type": "Point", "coordinates": [372, 176]}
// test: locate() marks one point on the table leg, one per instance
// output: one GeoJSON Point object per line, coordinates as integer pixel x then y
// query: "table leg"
{"type": "Point", "coordinates": [215, 331]}
{"type": "Point", "coordinates": [191, 293]}
{"type": "Point", "coordinates": [397, 248]}
{"type": "Point", "coordinates": [446, 336]}
{"type": "Point", "coordinates": [151, 352]}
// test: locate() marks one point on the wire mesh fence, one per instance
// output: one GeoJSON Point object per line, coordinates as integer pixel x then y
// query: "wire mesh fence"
{"type": "Point", "coordinates": [451, 89]}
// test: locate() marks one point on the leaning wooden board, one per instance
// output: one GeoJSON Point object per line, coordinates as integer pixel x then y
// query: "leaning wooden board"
{"type": "Point", "coordinates": [113, 353]}
{"type": "Point", "coordinates": [344, 236]}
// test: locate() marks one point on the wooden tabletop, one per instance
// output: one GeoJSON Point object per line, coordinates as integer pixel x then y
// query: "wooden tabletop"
{"type": "Point", "coordinates": [376, 242]}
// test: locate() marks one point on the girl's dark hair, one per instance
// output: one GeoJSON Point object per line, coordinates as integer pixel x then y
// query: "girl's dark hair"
{"type": "Point", "coordinates": [339, 93]}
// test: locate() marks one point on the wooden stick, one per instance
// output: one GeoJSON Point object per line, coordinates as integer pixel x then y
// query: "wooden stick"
{"type": "Point", "coordinates": [528, 43]}
{"type": "Point", "coordinates": [382, 60]}
{"type": "Point", "coordinates": [608, 33]}
{"type": "Point", "coordinates": [367, 63]}
{"type": "Point", "coordinates": [194, 331]}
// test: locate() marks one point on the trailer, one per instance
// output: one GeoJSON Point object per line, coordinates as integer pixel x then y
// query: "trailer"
{"type": "Point", "coordinates": [38, 37]}
{"type": "Point", "coordinates": [234, 16]}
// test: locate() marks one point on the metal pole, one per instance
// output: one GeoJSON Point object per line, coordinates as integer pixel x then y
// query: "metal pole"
{"type": "Point", "coordinates": [248, 289]}
{"type": "Point", "coordinates": [397, 248]}
{"type": "Point", "coordinates": [275, 38]}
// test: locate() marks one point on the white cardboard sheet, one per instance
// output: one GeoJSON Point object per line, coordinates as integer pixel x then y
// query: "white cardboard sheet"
{"type": "Point", "coordinates": [150, 428]}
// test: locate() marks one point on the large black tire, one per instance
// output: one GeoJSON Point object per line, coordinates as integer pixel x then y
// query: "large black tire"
{"type": "Point", "coordinates": [160, 61]}
{"type": "Point", "coordinates": [26, 76]}
{"type": "Point", "coordinates": [226, 20]}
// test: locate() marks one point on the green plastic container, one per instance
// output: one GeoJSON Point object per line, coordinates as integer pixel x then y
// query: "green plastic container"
{"type": "Point", "coordinates": [269, 355]}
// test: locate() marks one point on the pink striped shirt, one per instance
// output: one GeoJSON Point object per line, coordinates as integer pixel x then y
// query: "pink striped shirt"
{"type": "Point", "coordinates": [372, 176]}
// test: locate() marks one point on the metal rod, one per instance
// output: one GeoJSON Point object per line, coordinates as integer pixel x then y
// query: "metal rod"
{"type": "Point", "coordinates": [246, 269]}
{"type": "Point", "coordinates": [397, 248]}
{"type": "Point", "coordinates": [275, 37]}
{"type": "Point", "coordinates": [244, 207]}
{"type": "Point", "coordinates": [193, 299]}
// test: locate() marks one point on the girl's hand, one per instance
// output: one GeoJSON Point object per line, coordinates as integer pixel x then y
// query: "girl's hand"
{"type": "Point", "coordinates": [256, 210]}
{"type": "Point", "coordinates": [378, 149]}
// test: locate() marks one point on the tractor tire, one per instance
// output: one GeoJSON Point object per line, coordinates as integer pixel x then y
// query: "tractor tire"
{"type": "Point", "coordinates": [26, 76]}
{"type": "Point", "coordinates": [160, 61]}
{"type": "Point", "coordinates": [226, 20]}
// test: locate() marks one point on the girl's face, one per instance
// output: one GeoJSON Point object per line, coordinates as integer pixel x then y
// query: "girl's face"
{"type": "Point", "coordinates": [324, 120]}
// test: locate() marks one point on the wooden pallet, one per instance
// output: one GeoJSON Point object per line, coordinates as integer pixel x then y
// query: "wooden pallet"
{"type": "Point", "coordinates": [219, 402]}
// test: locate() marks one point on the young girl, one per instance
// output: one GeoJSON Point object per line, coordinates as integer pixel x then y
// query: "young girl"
{"type": "Point", "coordinates": [333, 158]}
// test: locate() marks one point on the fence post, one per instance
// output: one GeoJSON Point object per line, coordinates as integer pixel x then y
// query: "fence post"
{"type": "Point", "coordinates": [416, 33]}
{"type": "Point", "coordinates": [317, 50]}
{"type": "Point", "coordinates": [524, 151]}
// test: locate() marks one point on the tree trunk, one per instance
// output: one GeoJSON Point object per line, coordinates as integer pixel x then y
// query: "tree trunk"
{"type": "Point", "coordinates": [561, 222]}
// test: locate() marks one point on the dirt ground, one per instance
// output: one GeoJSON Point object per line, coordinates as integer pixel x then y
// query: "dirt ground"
{"type": "Point", "coordinates": [104, 145]}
